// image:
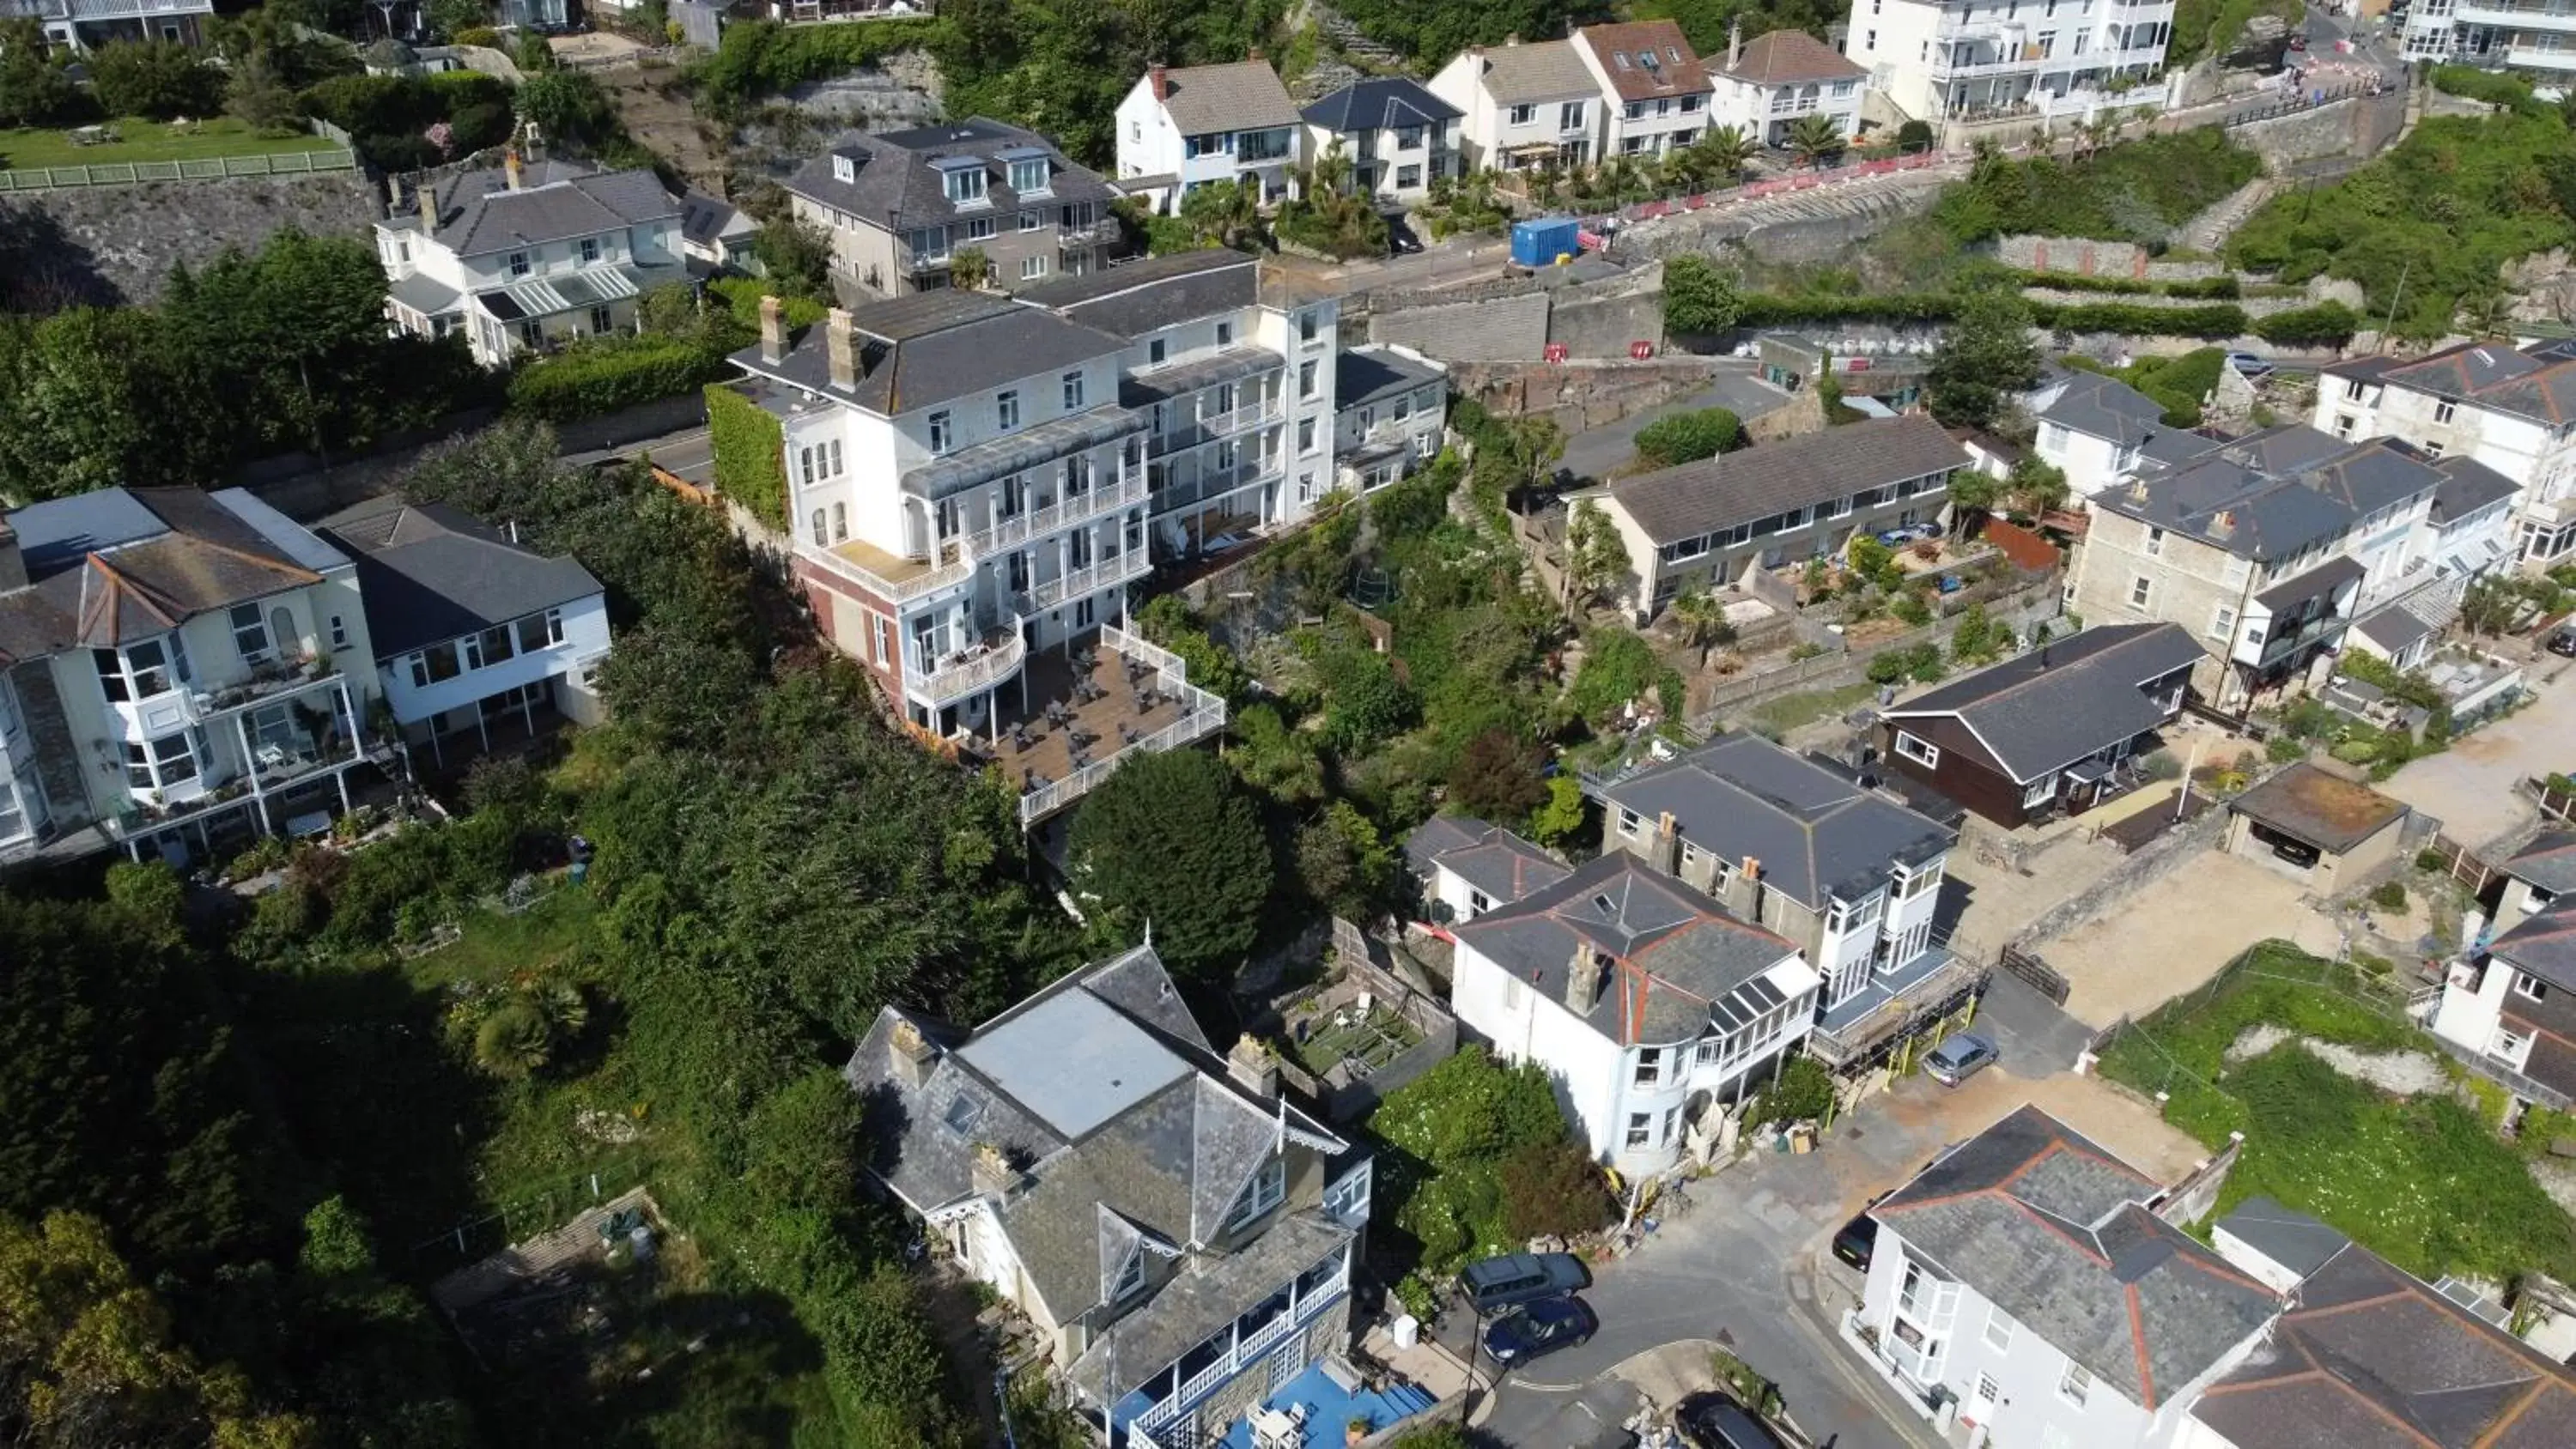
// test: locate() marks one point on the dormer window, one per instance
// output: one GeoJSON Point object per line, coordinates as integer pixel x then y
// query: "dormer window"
{"type": "Point", "coordinates": [1264, 1192]}
{"type": "Point", "coordinates": [844, 169]}
{"type": "Point", "coordinates": [963, 185]}
{"type": "Point", "coordinates": [1029, 177]}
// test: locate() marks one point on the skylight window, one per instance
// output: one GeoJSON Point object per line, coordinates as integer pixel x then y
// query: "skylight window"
{"type": "Point", "coordinates": [964, 1113]}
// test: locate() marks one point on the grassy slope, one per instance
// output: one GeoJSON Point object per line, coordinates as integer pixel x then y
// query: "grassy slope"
{"type": "Point", "coordinates": [149, 141]}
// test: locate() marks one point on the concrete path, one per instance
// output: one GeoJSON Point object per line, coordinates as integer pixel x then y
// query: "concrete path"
{"type": "Point", "coordinates": [2474, 787]}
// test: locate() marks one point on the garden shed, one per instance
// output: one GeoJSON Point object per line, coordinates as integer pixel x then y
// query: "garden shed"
{"type": "Point", "coordinates": [2325, 830]}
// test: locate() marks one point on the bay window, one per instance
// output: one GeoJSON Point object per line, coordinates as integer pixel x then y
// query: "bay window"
{"type": "Point", "coordinates": [142, 671]}
{"type": "Point", "coordinates": [161, 764]}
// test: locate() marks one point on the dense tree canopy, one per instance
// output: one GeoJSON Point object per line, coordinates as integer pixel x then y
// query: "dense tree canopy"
{"type": "Point", "coordinates": [1168, 840]}
{"type": "Point", "coordinates": [1985, 359]}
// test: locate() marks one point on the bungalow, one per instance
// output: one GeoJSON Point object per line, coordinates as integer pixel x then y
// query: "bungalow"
{"type": "Point", "coordinates": [1181, 1236]}
{"type": "Point", "coordinates": [2047, 729]}
{"type": "Point", "coordinates": [1709, 523]}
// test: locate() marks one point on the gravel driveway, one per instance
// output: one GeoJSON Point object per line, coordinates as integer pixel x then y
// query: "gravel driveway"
{"type": "Point", "coordinates": [2473, 787]}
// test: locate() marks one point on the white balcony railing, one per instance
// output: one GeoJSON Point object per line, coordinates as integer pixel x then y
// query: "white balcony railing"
{"type": "Point", "coordinates": [1133, 563]}
{"type": "Point", "coordinates": [1246, 1351]}
{"type": "Point", "coordinates": [966, 674]}
{"type": "Point", "coordinates": [2536, 58]}
{"type": "Point", "coordinates": [893, 591]}
{"type": "Point", "coordinates": [1204, 715]}
{"type": "Point", "coordinates": [1216, 483]}
{"type": "Point", "coordinates": [1179, 433]}
{"type": "Point", "coordinates": [1082, 508]}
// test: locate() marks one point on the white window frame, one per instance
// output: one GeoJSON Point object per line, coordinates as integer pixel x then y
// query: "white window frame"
{"type": "Point", "coordinates": [2038, 791]}
{"type": "Point", "coordinates": [2142, 592]}
{"type": "Point", "coordinates": [1265, 1190]}
{"type": "Point", "coordinates": [2222, 621]}
{"type": "Point", "coordinates": [2076, 1384]}
{"type": "Point", "coordinates": [1921, 751]}
{"type": "Point", "coordinates": [2529, 987]}
{"type": "Point", "coordinates": [2000, 1342]}
{"type": "Point", "coordinates": [1641, 1129]}
{"type": "Point", "coordinates": [1073, 391]}
{"type": "Point", "coordinates": [1629, 821]}
{"type": "Point", "coordinates": [1006, 409]}
{"type": "Point", "coordinates": [251, 639]}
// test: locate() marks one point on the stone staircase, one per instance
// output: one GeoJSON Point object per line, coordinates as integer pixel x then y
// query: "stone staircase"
{"type": "Point", "coordinates": [2210, 230]}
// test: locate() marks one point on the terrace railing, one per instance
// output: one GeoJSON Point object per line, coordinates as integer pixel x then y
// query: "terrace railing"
{"type": "Point", "coordinates": [212, 168]}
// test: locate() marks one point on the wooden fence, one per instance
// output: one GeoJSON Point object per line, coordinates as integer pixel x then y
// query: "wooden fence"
{"type": "Point", "coordinates": [2040, 976]}
{"type": "Point", "coordinates": [213, 168]}
{"type": "Point", "coordinates": [2462, 865]}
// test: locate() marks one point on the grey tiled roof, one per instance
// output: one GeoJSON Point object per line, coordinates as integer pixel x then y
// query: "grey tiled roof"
{"type": "Point", "coordinates": [2326, 811]}
{"type": "Point", "coordinates": [894, 185]}
{"type": "Point", "coordinates": [1676, 951]}
{"type": "Point", "coordinates": [2044, 709]}
{"type": "Point", "coordinates": [1546, 71]}
{"type": "Point", "coordinates": [2273, 494]}
{"type": "Point", "coordinates": [1240, 96]}
{"type": "Point", "coordinates": [2540, 388]}
{"type": "Point", "coordinates": [1816, 833]}
{"type": "Point", "coordinates": [2370, 1358]}
{"type": "Point", "coordinates": [1179, 379]}
{"type": "Point", "coordinates": [1363, 375]}
{"type": "Point", "coordinates": [2105, 407]}
{"type": "Point", "coordinates": [2544, 944]}
{"type": "Point", "coordinates": [479, 214]}
{"type": "Point", "coordinates": [2393, 628]}
{"type": "Point", "coordinates": [1138, 297]}
{"type": "Point", "coordinates": [2548, 861]}
{"type": "Point", "coordinates": [2320, 582]}
{"type": "Point", "coordinates": [1104, 1092]}
{"type": "Point", "coordinates": [1206, 1295]}
{"type": "Point", "coordinates": [2467, 486]}
{"type": "Point", "coordinates": [2294, 1240]}
{"type": "Point", "coordinates": [705, 219]}
{"type": "Point", "coordinates": [1380, 103]}
{"type": "Point", "coordinates": [1487, 857]}
{"type": "Point", "coordinates": [1769, 478]}
{"type": "Point", "coordinates": [2051, 1229]}
{"type": "Point", "coordinates": [120, 564]}
{"type": "Point", "coordinates": [932, 347]}
{"type": "Point", "coordinates": [430, 573]}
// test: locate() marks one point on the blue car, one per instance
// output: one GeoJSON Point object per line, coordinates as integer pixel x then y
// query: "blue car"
{"type": "Point", "coordinates": [1539, 1328]}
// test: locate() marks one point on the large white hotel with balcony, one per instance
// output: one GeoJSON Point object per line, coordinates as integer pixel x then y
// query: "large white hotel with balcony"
{"type": "Point", "coordinates": [1968, 59]}
{"type": "Point", "coordinates": [2533, 38]}
{"type": "Point", "coordinates": [974, 482]}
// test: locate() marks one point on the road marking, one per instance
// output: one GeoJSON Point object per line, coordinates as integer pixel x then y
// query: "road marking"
{"type": "Point", "coordinates": [1547, 1388]}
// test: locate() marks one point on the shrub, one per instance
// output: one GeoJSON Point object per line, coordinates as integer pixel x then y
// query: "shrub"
{"type": "Point", "coordinates": [156, 78]}
{"type": "Point", "coordinates": [1688, 437]}
{"type": "Point", "coordinates": [1552, 1189]}
{"type": "Point", "coordinates": [751, 455]}
{"type": "Point", "coordinates": [2217, 319]}
{"type": "Point", "coordinates": [2328, 324]}
{"type": "Point", "coordinates": [2281, 749]}
{"type": "Point", "coordinates": [1911, 609]}
{"type": "Point", "coordinates": [2430, 861]}
{"type": "Point", "coordinates": [603, 374]}
{"type": "Point", "coordinates": [1805, 1092]}
{"type": "Point", "coordinates": [2389, 895]}
{"type": "Point", "coordinates": [764, 58]}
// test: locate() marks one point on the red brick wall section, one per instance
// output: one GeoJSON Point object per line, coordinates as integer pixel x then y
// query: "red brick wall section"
{"type": "Point", "coordinates": [2027, 549]}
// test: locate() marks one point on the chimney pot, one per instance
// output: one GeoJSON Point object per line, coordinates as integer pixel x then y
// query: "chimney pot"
{"type": "Point", "coordinates": [991, 1173]}
{"type": "Point", "coordinates": [844, 345]}
{"type": "Point", "coordinates": [1668, 844]}
{"type": "Point", "coordinates": [1252, 1067]}
{"type": "Point", "coordinates": [426, 198]}
{"type": "Point", "coordinates": [1734, 42]}
{"type": "Point", "coordinates": [511, 170]}
{"type": "Point", "coordinates": [773, 331]}
{"type": "Point", "coordinates": [913, 1054]}
{"type": "Point", "coordinates": [1583, 979]}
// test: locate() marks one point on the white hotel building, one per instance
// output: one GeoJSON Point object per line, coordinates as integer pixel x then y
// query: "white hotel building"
{"type": "Point", "coordinates": [1968, 58]}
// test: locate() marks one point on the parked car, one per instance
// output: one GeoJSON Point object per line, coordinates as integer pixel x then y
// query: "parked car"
{"type": "Point", "coordinates": [2248, 365]}
{"type": "Point", "coordinates": [1537, 1328]}
{"type": "Point", "coordinates": [1714, 1421]}
{"type": "Point", "coordinates": [1960, 1057]}
{"type": "Point", "coordinates": [2563, 641]}
{"type": "Point", "coordinates": [1855, 1240]}
{"type": "Point", "coordinates": [1521, 1278]}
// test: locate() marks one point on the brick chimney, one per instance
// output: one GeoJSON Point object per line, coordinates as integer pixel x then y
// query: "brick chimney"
{"type": "Point", "coordinates": [1583, 979]}
{"type": "Point", "coordinates": [845, 348]}
{"type": "Point", "coordinates": [1252, 1067]}
{"type": "Point", "coordinates": [1668, 845]}
{"type": "Point", "coordinates": [913, 1054]}
{"type": "Point", "coordinates": [1734, 42]}
{"type": "Point", "coordinates": [510, 167]}
{"type": "Point", "coordinates": [1255, 56]}
{"type": "Point", "coordinates": [427, 197]}
{"type": "Point", "coordinates": [773, 331]}
{"type": "Point", "coordinates": [1162, 86]}
{"type": "Point", "coordinates": [991, 1173]}
{"type": "Point", "coordinates": [13, 564]}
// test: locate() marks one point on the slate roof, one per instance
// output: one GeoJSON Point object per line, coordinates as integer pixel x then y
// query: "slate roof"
{"type": "Point", "coordinates": [1363, 375]}
{"type": "Point", "coordinates": [117, 565]}
{"type": "Point", "coordinates": [1240, 96]}
{"type": "Point", "coordinates": [2052, 1229]}
{"type": "Point", "coordinates": [705, 219]}
{"type": "Point", "coordinates": [2105, 407]}
{"type": "Point", "coordinates": [1103, 1091]}
{"type": "Point", "coordinates": [2056, 704]}
{"type": "Point", "coordinates": [2544, 945]}
{"type": "Point", "coordinates": [2326, 811]}
{"type": "Point", "coordinates": [1660, 61]}
{"type": "Point", "coordinates": [2548, 861]}
{"type": "Point", "coordinates": [2277, 492]}
{"type": "Point", "coordinates": [2393, 628]}
{"type": "Point", "coordinates": [1487, 857]}
{"type": "Point", "coordinates": [1816, 833]}
{"type": "Point", "coordinates": [479, 214]}
{"type": "Point", "coordinates": [1787, 57]}
{"type": "Point", "coordinates": [1205, 1296]}
{"type": "Point", "coordinates": [2292, 1239]}
{"type": "Point", "coordinates": [1148, 295]}
{"type": "Point", "coordinates": [1547, 71]}
{"type": "Point", "coordinates": [1769, 478]}
{"type": "Point", "coordinates": [2316, 583]}
{"type": "Point", "coordinates": [1380, 103]}
{"type": "Point", "coordinates": [429, 573]}
{"type": "Point", "coordinates": [933, 347]}
{"type": "Point", "coordinates": [2541, 388]}
{"type": "Point", "coordinates": [896, 187]}
{"type": "Point", "coordinates": [2370, 1358]}
{"type": "Point", "coordinates": [1676, 952]}
{"type": "Point", "coordinates": [2467, 486]}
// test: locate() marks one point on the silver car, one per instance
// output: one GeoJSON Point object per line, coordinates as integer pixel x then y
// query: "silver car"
{"type": "Point", "coordinates": [1958, 1058]}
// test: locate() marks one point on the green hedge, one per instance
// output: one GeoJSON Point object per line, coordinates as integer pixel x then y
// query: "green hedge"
{"type": "Point", "coordinates": [603, 374]}
{"type": "Point", "coordinates": [741, 296]}
{"type": "Point", "coordinates": [2216, 319]}
{"type": "Point", "coordinates": [751, 455]}
{"type": "Point", "coordinates": [764, 58]}
{"type": "Point", "coordinates": [2494, 87]}
{"type": "Point", "coordinates": [2328, 324]}
{"type": "Point", "coordinates": [1775, 309]}
{"type": "Point", "coordinates": [2223, 288]}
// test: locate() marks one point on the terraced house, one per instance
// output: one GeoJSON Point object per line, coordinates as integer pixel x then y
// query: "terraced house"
{"type": "Point", "coordinates": [2510, 411]}
{"type": "Point", "coordinates": [1524, 106]}
{"type": "Point", "coordinates": [902, 207]}
{"type": "Point", "coordinates": [1182, 1236]}
{"type": "Point", "coordinates": [1182, 129]}
{"type": "Point", "coordinates": [525, 257]}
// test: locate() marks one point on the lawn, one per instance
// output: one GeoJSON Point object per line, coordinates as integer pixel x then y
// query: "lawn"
{"type": "Point", "coordinates": [144, 140]}
{"type": "Point", "coordinates": [1792, 711]}
{"type": "Point", "coordinates": [2423, 1181]}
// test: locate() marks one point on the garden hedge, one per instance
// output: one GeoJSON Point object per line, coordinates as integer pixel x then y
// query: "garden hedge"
{"type": "Point", "coordinates": [751, 455]}
{"type": "Point", "coordinates": [603, 374]}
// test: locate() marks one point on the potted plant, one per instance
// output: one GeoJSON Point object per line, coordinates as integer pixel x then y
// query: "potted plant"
{"type": "Point", "coordinates": [1356, 1431]}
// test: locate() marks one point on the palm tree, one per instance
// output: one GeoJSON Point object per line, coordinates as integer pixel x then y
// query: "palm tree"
{"type": "Point", "coordinates": [2487, 314]}
{"type": "Point", "coordinates": [1815, 137]}
{"type": "Point", "coordinates": [1701, 620]}
{"type": "Point", "coordinates": [1720, 155]}
{"type": "Point", "coordinates": [515, 1040]}
{"type": "Point", "coordinates": [969, 269]}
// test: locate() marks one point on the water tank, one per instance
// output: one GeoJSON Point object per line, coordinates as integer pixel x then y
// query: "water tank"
{"type": "Point", "coordinates": [1540, 242]}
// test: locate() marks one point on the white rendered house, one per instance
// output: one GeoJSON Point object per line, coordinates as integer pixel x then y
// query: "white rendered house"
{"type": "Point", "coordinates": [1397, 136]}
{"type": "Point", "coordinates": [1969, 58]}
{"type": "Point", "coordinates": [1657, 92]}
{"type": "Point", "coordinates": [1639, 995]}
{"type": "Point", "coordinates": [1209, 123]}
{"type": "Point", "coordinates": [1769, 83]}
{"type": "Point", "coordinates": [2510, 410]}
{"type": "Point", "coordinates": [527, 257]}
{"type": "Point", "coordinates": [1524, 106]}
